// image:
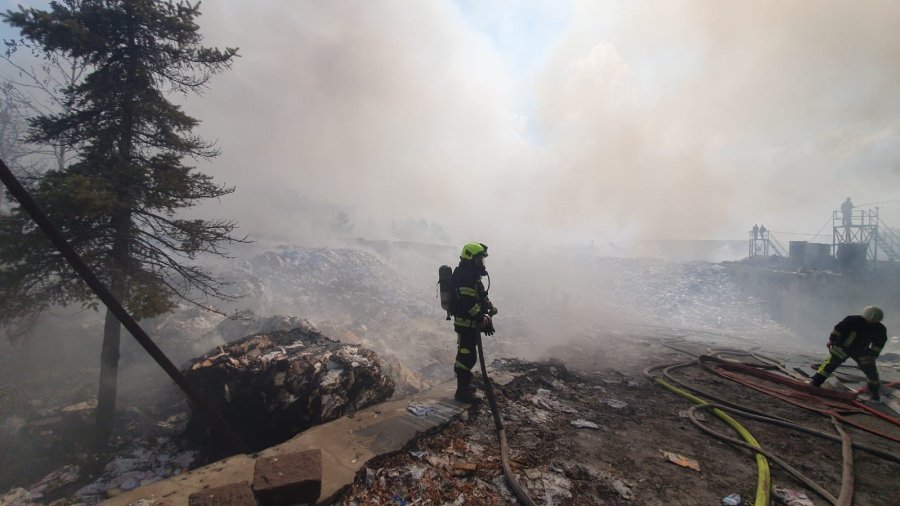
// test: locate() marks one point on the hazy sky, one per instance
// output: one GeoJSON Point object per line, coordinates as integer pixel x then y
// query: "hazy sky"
{"type": "Point", "coordinates": [576, 121]}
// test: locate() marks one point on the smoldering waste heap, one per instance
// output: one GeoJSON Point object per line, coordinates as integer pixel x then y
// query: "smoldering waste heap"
{"type": "Point", "coordinates": [271, 386]}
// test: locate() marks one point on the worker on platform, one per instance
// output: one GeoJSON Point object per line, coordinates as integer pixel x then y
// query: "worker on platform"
{"type": "Point", "coordinates": [860, 337]}
{"type": "Point", "coordinates": [755, 231]}
{"type": "Point", "coordinates": [847, 212]}
{"type": "Point", "coordinates": [472, 314]}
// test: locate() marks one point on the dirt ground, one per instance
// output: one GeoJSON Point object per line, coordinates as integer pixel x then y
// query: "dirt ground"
{"type": "Point", "coordinates": [51, 441]}
{"type": "Point", "coordinates": [600, 380]}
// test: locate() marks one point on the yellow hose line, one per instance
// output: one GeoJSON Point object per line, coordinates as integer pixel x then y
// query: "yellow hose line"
{"type": "Point", "coordinates": [764, 479]}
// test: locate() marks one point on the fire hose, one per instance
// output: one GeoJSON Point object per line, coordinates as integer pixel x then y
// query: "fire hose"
{"type": "Point", "coordinates": [753, 414]}
{"type": "Point", "coordinates": [836, 403]}
{"type": "Point", "coordinates": [520, 492]}
{"type": "Point", "coordinates": [764, 478]}
{"type": "Point", "coordinates": [720, 405]}
{"type": "Point", "coordinates": [846, 451]}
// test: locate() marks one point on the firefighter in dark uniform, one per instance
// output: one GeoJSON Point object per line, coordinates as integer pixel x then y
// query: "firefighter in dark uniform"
{"type": "Point", "coordinates": [860, 337]}
{"type": "Point", "coordinates": [471, 315]}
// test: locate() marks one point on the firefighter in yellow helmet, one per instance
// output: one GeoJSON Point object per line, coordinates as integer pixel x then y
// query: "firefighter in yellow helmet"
{"type": "Point", "coordinates": [860, 337]}
{"type": "Point", "coordinates": [471, 315]}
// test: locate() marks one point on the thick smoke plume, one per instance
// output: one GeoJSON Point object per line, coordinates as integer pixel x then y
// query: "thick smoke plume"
{"type": "Point", "coordinates": [650, 120]}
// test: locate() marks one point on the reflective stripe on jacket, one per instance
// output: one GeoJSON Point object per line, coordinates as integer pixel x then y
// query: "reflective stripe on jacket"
{"type": "Point", "coordinates": [856, 335]}
{"type": "Point", "coordinates": [472, 301]}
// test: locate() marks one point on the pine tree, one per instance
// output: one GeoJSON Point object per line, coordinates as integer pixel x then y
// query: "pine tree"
{"type": "Point", "coordinates": [12, 129]}
{"type": "Point", "coordinates": [117, 202]}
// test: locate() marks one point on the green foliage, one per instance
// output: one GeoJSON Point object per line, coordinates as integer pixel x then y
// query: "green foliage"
{"type": "Point", "coordinates": [117, 203]}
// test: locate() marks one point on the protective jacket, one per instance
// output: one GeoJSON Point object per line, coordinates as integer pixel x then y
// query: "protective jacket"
{"type": "Point", "coordinates": [472, 302]}
{"type": "Point", "coordinates": [856, 336]}
{"type": "Point", "coordinates": [847, 207]}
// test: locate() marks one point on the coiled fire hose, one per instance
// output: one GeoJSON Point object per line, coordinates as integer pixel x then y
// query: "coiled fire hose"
{"type": "Point", "coordinates": [764, 478]}
{"type": "Point", "coordinates": [846, 492]}
{"type": "Point", "coordinates": [520, 492]}
{"type": "Point", "coordinates": [847, 444]}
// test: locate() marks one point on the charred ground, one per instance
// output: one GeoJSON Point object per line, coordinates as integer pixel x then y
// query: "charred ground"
{"type": "Point", "coordinates": [621, 461]}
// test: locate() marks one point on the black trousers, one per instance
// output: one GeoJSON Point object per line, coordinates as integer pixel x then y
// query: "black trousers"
{"type": "Point", "coordinates": [466, 350]}
{"type": "Point", "coordinates": [865, 361]}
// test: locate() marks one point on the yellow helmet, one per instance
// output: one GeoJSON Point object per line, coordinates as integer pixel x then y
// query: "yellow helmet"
{"type": "Point", "coordinates": [873, 314]}
{"type": "Point", "coordinates": [472, 250]}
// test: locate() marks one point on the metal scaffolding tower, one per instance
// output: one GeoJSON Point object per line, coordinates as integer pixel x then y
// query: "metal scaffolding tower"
{"type": "Point", "coordinates": [764, 244]}
{"type": "Point", "coordinates": [864, 227]}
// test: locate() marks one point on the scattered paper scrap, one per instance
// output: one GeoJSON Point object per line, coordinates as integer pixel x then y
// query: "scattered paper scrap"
{"type": "Point", "coordinates": [790, 497]}
{"type": "Point", "coordinates": [418, 410]}
{"type": "Point", "coordinates": [681, 460]}
{"type": "Point", "coordinates": [699, 416]}
{"type": "Point", "coordinates": [544, 399]}
{"type": "Point", "coordinates": [584, 424]}
{"type": "Point", "coordinates": [732, 500]}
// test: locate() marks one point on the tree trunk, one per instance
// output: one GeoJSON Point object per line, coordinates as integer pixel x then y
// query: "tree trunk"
{"type": "Point", "coordinates": [112, 331]}
{"type": "Point", "coordinates": [121, 255]}
{"type": "Point", "coordinates": [109, 369]}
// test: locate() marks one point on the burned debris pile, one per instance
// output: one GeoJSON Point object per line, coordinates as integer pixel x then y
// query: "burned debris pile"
{"type": "Point", "coordinates": [549, 454]}
{"type": "Point", "coordinates": [270, 386]}
{"type": "Point", "coordinates": [385, 302]}
{"type": "Point", "coordinates": [275, 385]}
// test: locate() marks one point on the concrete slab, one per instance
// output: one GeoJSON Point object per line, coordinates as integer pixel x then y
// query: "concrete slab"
{"type": "Point", "coordinates": [236, 494]}
{"type": "Point", "coordinates": [347, 444]}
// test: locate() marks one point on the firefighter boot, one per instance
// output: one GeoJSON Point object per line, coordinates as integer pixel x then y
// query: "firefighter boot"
{"type": "Point", "coordinates": [463, 392]}
{"type": "Point", "coordinates": [874, 393]}
{"type": "Point", "coordinates": [817, 380]}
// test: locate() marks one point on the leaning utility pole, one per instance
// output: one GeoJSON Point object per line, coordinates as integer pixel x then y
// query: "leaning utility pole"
{"type": "Point", "coordinates": [215, 418]}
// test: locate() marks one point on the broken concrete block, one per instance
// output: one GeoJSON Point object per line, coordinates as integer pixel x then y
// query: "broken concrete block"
{"type": "Point", "coordinates": [235, 494]}
{"type": "Point", "coordinates": [293, 478]}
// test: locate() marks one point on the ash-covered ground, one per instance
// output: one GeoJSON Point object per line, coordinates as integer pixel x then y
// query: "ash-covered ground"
{"type": "Point", "coordinates": [589, 428]}
{"type": "Point", "coordinates": [599, 316]}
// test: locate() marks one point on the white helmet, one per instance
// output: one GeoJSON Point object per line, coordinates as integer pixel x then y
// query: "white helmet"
{"type": "Point", "coordinates": [873, 313]}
